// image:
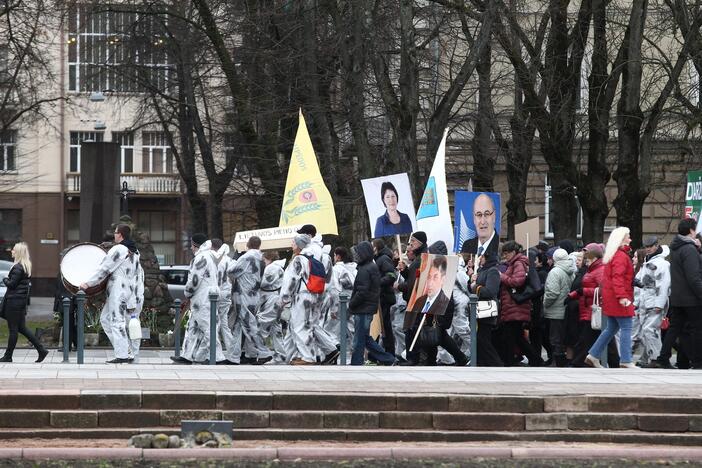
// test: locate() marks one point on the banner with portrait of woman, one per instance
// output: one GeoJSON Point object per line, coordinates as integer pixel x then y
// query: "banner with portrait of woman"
{"type": "Point", "coordinates": [390, 205]}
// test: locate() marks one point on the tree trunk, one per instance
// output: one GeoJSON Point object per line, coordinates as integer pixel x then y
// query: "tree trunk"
{"type": "Point", "coordinates": [483, 161]}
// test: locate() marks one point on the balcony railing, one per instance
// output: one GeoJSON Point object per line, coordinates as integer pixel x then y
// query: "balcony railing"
{"type": "Point", "coordinates": [151, 184]}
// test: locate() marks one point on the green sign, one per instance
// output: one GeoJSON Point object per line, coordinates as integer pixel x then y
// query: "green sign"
{"type": "Point", "coordinates": [693, 195]}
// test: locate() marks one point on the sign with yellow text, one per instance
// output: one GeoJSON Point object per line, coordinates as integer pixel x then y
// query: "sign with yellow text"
{"type": "Point", "coordinates": [306, 199]}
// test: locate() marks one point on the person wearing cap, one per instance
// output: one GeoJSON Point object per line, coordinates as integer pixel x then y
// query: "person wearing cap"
{"type": "Point", "coordinates": [653, 284]}
{"type": "Point", "coordinates": [306, 340]}
{"type": "Point", "coordinates": [555, 293]}
{"type": "Point", "coordinates": [417, 245]}
{"type": "Point", "coordinates": [246, 274]}
{"type": "Point", "coordinates": [202, 278]}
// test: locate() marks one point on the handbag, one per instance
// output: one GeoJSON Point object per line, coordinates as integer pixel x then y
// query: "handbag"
{"type": "Point", "coordinates": [665, 323]}
{"type": "Point", "coordinates": [486, 309]}
{"type": "Point", "coordinates": [596, 318]}
{"type": "Point", "coordinates": [429, 337]}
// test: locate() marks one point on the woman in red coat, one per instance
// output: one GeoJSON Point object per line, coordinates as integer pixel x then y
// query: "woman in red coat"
{"type": "Point", "coordinates": [617, 292]}
{"type": "Point", "coordinates": [514, 317]}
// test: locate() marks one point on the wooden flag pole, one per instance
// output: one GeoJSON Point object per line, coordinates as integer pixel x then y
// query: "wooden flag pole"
{"type": "Point", "coordinates": [421, 324]}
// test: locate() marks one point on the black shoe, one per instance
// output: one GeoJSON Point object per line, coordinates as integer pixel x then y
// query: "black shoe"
{"type": "Point", "coordinates": [180, 360]}
{"type": "Point", "coordinates": [331, 358]}
{"type": "Point", "coordinates": [118, 361]}
{"type": "Point", "coordinates": [656, 364]}
{"type": "Point", "coordinates": [42, 355]}
{"type": "Point", "coordinates": [407, 363]}
{"type": "Point", "coordinates": [131, 360]}
{"type": "Point", "coordinates": [248, 360]}
{"type": "Point", "coordinates": [6, 359]}
{"type": "Point", "coordinates": [262, 361]}
{"type": "Point", "coordinates": [224, 362]}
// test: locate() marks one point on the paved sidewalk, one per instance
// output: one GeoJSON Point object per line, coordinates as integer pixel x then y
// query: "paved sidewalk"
{"type": "Point", "coordinates": [156, 372]}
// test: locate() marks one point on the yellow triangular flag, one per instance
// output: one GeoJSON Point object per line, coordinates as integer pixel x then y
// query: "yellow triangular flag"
{"type": "Point", "coordinates": [306, 199]}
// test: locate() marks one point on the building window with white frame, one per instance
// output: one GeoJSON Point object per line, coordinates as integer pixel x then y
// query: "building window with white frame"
{"type": "Point", "coordinates": [114, 47]}
{"type": "Point", "coordinates": [126, 150]}
{"type": "Point", "coordinates": [156, 155]}
{"type": "Point", "coordinates": [550, 216]}
{"type": "Point", "coordinates": [8, 151]}
{"type": "Point", "coordinates": [76, 138]}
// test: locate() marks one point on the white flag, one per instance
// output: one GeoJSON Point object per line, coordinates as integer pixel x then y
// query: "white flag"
{"type": "Point", "coordinates": [433, 215]}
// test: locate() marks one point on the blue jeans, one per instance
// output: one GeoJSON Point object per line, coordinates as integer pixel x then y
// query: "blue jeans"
{"type": "Point", "coordinates": [363, 341]}
{"type": "Point", "coordinates": [613, 325]}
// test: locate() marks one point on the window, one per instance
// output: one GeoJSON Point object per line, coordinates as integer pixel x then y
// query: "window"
{"type": "Point", "coordinates": [156, 156]}
{"type": "Point", "coordinates": [116, 50]}
{"type": "Point", "coordinates": [231, 152]}
{"type": "Point", "coordinates": [161, 227]}
{"type": "Point", "coordinates": [76, 139]}
{"type": "Point", "coordinates": [551, 216]}
{"type": "Point", "coordinates": [10, 232]}
{"type": "Point", "coordinates": [126, 149]}
{"type": "Point", "coordinates": [72, 227]}
{"type": "Point", "coordinates": [8, 151]}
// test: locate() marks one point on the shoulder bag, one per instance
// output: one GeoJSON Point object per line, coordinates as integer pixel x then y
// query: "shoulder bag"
{"type": "Point", "coordinates": [486, 309]}
{"type": "Point", "coordinates": [596, 318]}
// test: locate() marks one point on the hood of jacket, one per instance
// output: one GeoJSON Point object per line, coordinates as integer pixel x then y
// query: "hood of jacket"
{"type": "Point", "coordinates": [662, 252]}
{"type": "Point", "coordinates": [221, 252]}
{"type": "Point", "coordinates": [255, 253]}
{"type": "Point", "coordinates": [566, 264]}
{"type": "Point", "coordinates": [131, 245]}
{"type": "Point", "coordinates": [438, 248]}
{"type": "Point", "coordinates": [364, 250]}
{"type": "Point", "coordinates": [385, 251]}
{"type": "Point", "coordinates": [680, 241]}
{"type": "Point", "coordinates": [280, 263]}
{"type": "Point", "coordinates": [205, 247]}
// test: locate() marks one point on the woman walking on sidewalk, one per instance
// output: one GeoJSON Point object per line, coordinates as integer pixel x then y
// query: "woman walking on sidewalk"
{"type": "Point", "coordinates": [617, 299]}
{"type": "Point", "coordinates": [14, 306]}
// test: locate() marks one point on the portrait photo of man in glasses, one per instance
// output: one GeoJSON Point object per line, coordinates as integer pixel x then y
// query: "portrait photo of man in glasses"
{"type": "Point", "coordinates": [487, 239]}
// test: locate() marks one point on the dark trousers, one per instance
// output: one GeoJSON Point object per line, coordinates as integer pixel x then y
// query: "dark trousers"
{"type": "Point", "coordinates": [487, 354]}
{"type": "Point", "coordinates": [538, 334]}
{"type": "Point", "coordinates": [511, 338]}
{"type": "Point", "coordinates": [363, 341]}
{"type": "Point", "coordinates": [448, 343]}
{"type": "Point", "coordinates": [586, 338]}
{"type": "Point", "coordinates": [16, 323]}
{"type": "Point", "coordinates": [556, 336]}
{"type": "Point", "coordinates": [388, 336]}
{"type": "Point", "coordinates": [685, 324]}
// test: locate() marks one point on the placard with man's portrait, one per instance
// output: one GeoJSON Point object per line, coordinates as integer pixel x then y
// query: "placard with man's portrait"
{"type": "Point", "coordinates": [434, 286]}
{"type": "Point", "coordinates": [390, 206]}
{"type": "Point", "coordinates": [477, 222]}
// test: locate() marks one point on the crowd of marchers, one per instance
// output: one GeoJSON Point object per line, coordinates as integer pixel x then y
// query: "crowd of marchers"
{"type": "Point", "coordinates": [645, 303]}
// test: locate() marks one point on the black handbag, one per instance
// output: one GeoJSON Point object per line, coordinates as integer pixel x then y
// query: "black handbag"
{"type": "Point", "coordinates": [429, 336]}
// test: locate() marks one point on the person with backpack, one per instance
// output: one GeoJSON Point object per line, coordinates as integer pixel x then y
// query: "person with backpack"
{"type": "Point", "coordinates": [363, 305]}
{"type": "Point", "coordinates": [303, 285]}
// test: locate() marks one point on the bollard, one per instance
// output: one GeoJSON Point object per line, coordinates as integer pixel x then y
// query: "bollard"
{"type": "Point", "coordinates": [343, 325]}
{"type": "Point", "coordinates": [80, 321]}
{"type": "Point", "coordinates": [176, 329]}
{"type": "Point", "coordinates": [473, 330]}
{"type": "Point", "coordinates": [214, 296]}
{"type": "Point", "coordinates": [66, 303]}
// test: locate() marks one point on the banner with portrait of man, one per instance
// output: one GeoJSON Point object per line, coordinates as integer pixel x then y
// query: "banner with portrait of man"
{"type": "Point", "coordinates": [390, 205]}
{"type": "Point", "coordinates": [433, 288]}
{"type": "Point", "coordinates": [477, 221]}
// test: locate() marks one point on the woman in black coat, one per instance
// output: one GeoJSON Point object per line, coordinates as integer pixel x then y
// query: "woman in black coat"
{"type": "Point", "coordinates": [486, 285]}
{"type": "Point", "coordinates": [14, 305]}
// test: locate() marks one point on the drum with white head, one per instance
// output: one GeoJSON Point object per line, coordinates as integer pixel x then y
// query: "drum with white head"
{"type": "Point", "coordinates": [79, 264]}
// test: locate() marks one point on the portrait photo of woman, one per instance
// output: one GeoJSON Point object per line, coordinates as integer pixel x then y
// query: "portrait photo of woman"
{"type": "Point", "coordinates": [392, 221]}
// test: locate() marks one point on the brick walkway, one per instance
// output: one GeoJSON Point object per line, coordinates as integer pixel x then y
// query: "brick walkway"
{"type": "Point", "coordinates": [155, 372]}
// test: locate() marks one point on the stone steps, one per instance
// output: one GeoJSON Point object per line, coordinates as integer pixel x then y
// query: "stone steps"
{"type": "Point", "coordinates": [357, 417]}
{"type": "Point", "coordinates": [381, 435]}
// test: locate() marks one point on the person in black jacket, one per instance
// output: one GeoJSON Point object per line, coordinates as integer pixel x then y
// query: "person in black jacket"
{"type": "Point", "coordinates": [14, 306]}
{"type": "Point", "coordinates": [685, 297]}
{"type": "Point", "coordinates": [485, 283]}
{"type": "Point", "coordinates": [363, 305]}
{"type": "Point", "coordinates": [416, 247]}
{"type": "Point", "coordinates": [443, 321]}
{"type": "Point", "coordinates": [388, 276]}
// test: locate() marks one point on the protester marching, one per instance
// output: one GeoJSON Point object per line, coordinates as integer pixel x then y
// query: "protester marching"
{"type": "Point", "coordinates": [406, 295]}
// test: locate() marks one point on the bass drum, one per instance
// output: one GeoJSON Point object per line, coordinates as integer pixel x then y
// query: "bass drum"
{"type": "Point", "coordinates": [78, 264]}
